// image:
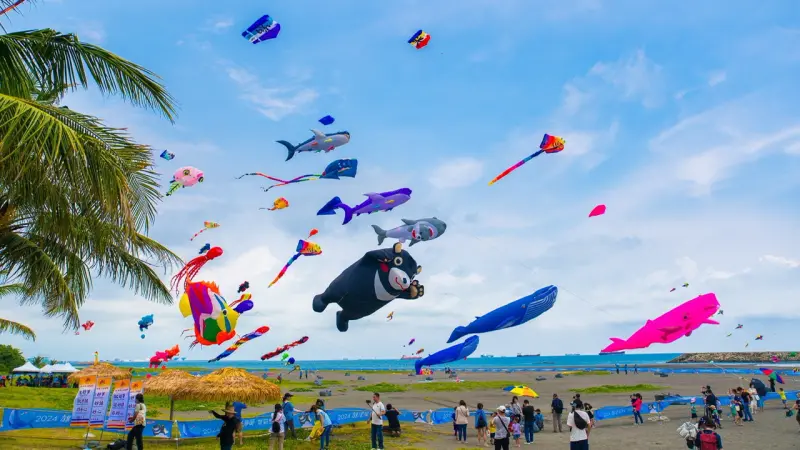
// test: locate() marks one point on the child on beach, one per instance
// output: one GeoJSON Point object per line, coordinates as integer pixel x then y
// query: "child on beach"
{"type": "Point", "coordinates": [492, 428]}
{"type": "Point", "coordinates": [539, 420]}
{"type": "Point", "coordinates": [707, 438]}
{"type": "Point", "coordinates": [693, 410]}
{"type": "Point", "coordinates": [782, 394]}
{"type": "Point", "coordinates": [515, 430]}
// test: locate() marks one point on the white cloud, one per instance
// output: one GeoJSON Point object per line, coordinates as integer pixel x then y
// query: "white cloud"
{"type": "Point", "coordinates": [574, 99]}
{"type": "Point", "coordinates": [781, 261]}
{"type": "Point", "coordinates": [92, 32]}
{"type": "Point", "coordinates": [717, 77]}
{"type": "Point", "coordinates": [222, 24]}
{"type": "Point", "coordinates": [273, 102]}
{"type": "Point", "coordinates": [636, 77]}
{"type": "Point", "coordinates": [457, 172]}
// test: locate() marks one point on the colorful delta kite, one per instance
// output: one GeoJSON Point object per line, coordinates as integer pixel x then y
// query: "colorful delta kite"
{"type": "Point", "coordinates": [206, 226]}
{"type": "Point", "coordinates": [283, 348]}
{"type": "Point", "coordinates": [670, 326]}
{"type": "Point", "coordinates": [598, 210]}
{"type": "Point", "coordinates": [384, 201]}
{"type": "Point", "coordinates": [319, 142]}
{"type": "Point", "coordinates": [167, 155]}
{"type": "Point", "coordinates": [185, 177]}
{"type": "Point", "coordinates": [450, 354]}
{"type": "Point", "coordinates": [214, 320]}
{"type": "Point", "coordinates": [327, 120]}
{"type": "Point", "coordinates": [336, 169]}
{"type": "Point", "coordinates": [247, 337]}
{"type": "Point", "coordinates": [371, 283]}
{"type": "Point", "coordinates": [263, 29]}
{"type": "Point", "coordinates": [510, 315]}
{"type": "Point", "coordinates": [550, 144]}
{"type": "Point", "coordinates": [304, 248]}
{"type": "Point", "coordinates": [390, 316]}
{"type": "Point", "coordinates": [205, 248]}
{"type": "Point", "coordinates": [413, 230]}
{"type": "Point", "coordinates": [279, 203]}
{"type": "Point", "coordinates": [162, 357]}
{"type": "Point", "coordinates": [420, 39]}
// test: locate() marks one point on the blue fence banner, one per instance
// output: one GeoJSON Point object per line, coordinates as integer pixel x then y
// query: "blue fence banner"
{"type": "Point", "coordinates": [18, 419]}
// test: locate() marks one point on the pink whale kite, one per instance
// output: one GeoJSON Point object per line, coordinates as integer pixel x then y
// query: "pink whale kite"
{"type": "Point", "coordinates": [670, 326]}
{"type": "Point", "coordinates": [598, 210]}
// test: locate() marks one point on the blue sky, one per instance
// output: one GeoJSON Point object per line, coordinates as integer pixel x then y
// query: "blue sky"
{"type": "Point", "coordinates": [682, 119]}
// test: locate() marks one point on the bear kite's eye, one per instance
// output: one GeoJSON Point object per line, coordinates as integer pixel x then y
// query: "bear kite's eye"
{"type": "Point", "coordinates": [398, 261]}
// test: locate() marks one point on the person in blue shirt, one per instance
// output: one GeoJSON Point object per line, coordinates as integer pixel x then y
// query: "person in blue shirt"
{"type": "Point", "coordinates": [327, 425]}
{"type": "Point", "coordinates": [539, 417]}
{"type": "Point", "coordinates": [288, 413]}
{"type": "Point", "coordinates": [237, 408]}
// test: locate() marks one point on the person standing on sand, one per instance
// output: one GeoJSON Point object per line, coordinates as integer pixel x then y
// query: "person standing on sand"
{"type": "Point", "coordinates": [529, 414]}
{"type": "Point", "coordinates": [516, 408]}
{"type": "Point", "coordinates": [557, 407]}
{"type": "Point", "coordinates": [480, 424]}
{"type": "Point", "coordinates": [502, 434]}
{"type": "Point", "coordinates": [288, 414]}
{"type": "Point", "coordinates": [616, 366]}
{"type": "Point", "coordinates": [772, 384]}
{"type": "Point", "coordinates": [636, 403]}
{"type": "Point", "coordinates": [635, 369]}
{"type": "Point", "coordinates": [626, 368]}
{"type": "Point", "coordinates": [462, 418]}
{"type": "Point", "coordinates": [579, 425]}
{"type": "Point", "coordinates": [797, 411]}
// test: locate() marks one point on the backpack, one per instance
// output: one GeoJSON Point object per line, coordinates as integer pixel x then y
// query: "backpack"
{"type": "Point", "coordinates": [580, 422]}
{"type": "Point", "coordinates": [276, 426]}
{"type": "Point", "coordinates": [708, 441]}
{"type": "Point", "coordinates": [482, 420]}
{"type": "Point", "coordinates": [558, 406]}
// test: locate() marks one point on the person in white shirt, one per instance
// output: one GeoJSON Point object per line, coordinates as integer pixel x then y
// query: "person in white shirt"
{"type": "Point", "coordinates": [462, 418]}
{"type": "Point", "coordinates": [501, 433]}
{"type": "Point", "coordinates": [278, 428]}
{"type": "Point", "coordinates": [376, 421]}
{"type": "Point", "coordinates": [579, 436]}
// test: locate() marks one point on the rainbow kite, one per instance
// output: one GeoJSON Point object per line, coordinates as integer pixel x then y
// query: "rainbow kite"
{"type": "Point", "coordinates": [247, 337]}
{"type": "Point", "coordinates": [206, 226]}
{"type": "Point", "coordinates": [339, 168]}
{"type": "Point", "coordinates": [550, 144]}
{"type": "Point", "coordinates": [304, 248]}
{"type": "Point", "coordinates": [772, 374]}
{"type": "Point", "coordinates": [284, 348]}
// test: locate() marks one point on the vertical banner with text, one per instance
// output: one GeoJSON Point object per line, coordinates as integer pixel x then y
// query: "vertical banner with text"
{"type": "Point", "coordinates": [119, 405]}
{"type": "Point", "coordinates": [137, 387]}
{"type": "Point", "coordinates": [100, 402]}
{"type": "Point", "coordinates": [82, 406]}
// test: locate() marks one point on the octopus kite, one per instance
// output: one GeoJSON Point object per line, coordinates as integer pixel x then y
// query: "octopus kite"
{"type": "Point", "coordinates": [304, 248]}
{"type": "Point", "coordinates": [334, 170]}
{"type": "Point", "coordinates": [247, 337]}
{"type": "Point", "coordinates": [279, 203]}
{"type": "Point", "coordinates": [282, 349]}
{"type": "Point", "coordinates": [214, 320]}
{"type": "Point", "coordinates": [550, 144]}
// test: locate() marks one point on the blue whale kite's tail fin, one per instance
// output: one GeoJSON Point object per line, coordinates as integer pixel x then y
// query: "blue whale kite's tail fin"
{"type": "Point", "coordinates": [457, 334]}
{"type": "Point", "coordinates": [291, 148]}
{"type": "Point", "coordinates": [330, 209]}
{"type": "Point", "coordinates": [381, 234]}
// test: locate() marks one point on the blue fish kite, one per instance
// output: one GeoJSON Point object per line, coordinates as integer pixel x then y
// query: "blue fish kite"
{"type": "Point", "coordinates": [450, 354]}
{"type": "Point", "coordinates": [262, 29]}
{"type": "Point", "coordinates": [510, 315]}
{"type": "Point", "coordinates": [318, 143]}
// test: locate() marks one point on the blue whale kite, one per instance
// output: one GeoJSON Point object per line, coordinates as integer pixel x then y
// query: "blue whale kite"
{"type": "Point", "coordinates": [510, 315]}
{"type": "Point", "coordinates": [450, 354]}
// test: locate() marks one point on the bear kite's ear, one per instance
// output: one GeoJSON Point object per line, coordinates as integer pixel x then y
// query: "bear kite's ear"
{"type": "Point", "coordinates": [419, 270]}
{"type": "Point", "coordinates": [398, 247]}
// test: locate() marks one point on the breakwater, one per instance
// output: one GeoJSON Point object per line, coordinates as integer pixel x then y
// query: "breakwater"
{"type": "Point", "coordinates": [737, 357]}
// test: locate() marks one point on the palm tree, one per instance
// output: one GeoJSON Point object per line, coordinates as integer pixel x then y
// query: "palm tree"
{"type": "Point", "coordinates": [77, 198]}
{"type": "Point", "coordinates": [8, 326]}
{"type": "Point", "coordinates": [38, 361]}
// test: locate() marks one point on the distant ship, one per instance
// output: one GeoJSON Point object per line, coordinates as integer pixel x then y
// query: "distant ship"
{"type": "Point", "coordinates": [487, 356]}
{"type": "Point", "coordinates": [621, 352]}
{"type": "Point", "coordinates": [411, 357]}
{"type": "Point", "coordinates": [520, 355]}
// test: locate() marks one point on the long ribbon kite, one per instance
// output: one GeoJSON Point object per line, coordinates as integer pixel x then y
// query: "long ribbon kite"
{"type": "Point", "coordinates": [282, 349]}
{"type": "Point", "coordinates": [550, 144]}
{"type": "Point", "coordinates": [247, 337]}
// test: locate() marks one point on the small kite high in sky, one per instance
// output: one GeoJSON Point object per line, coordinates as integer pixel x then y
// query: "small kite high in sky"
{"type": "Point", "coordinates": [279, 203]}
{"type": "Point", "coordinates": [167, 155]}
{"type": "Point", "coordinates": [598, 210]}
{"type": "Point", "coordinates": [304, 248]}
{"type": "Point", "coordinates": [88, 325]}
{"type": "Point", "coordinates": [420, 39]}
{"type": "Point", "coordinates": [263, 29]}
{"type": "Point", "coordinates": [327, 120]}
{"type": "Point", "coordinates": [205, 248]}
{"type": "Point", "coordinates": [390, 316]}
{"type": "Point", "coordinates": [206, 226]}
{"type": "Point", "coordinates": [334, 170]}
{"type": "Point", "coordinates": [550, 144]}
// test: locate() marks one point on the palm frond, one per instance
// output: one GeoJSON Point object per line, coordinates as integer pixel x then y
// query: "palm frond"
{"type": "Point", "coordinates": [12, 289]}
{"type": "Point", "coordinates": [51, 58]}
{"type": "Point", "coordinates": [11, 327]}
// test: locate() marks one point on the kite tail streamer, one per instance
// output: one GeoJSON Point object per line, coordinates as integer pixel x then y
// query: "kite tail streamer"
{"type": "Point", "coordinates": [197, 234]}
{"type": "Point", "coordinates": [192, 268]}
{"type": "Point", "coordinates": [285, 268]}
{"type": "Point", "coordinates": [247, 337]}
{"type": "Point", "coordinates": [12, 7]}
{"type": "Point", "coordinates": [282, 349]}
{"type": "Point", "coordinates": [514, 167]}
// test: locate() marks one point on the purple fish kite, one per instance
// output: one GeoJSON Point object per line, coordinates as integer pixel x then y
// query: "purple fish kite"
{"type": "Point", "coordinates": [384, 201]}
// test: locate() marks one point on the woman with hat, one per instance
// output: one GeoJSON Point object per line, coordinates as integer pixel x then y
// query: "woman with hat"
{"type": "Point", "coordinates": [230, 424]}
{"type": "Point", "coordinates": [501, 436]}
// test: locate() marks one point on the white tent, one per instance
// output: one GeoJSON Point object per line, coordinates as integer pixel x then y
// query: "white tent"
{"type": "Point", "coordinates": [26, 368]}
{"type": "Point", "coordinates": [62, 368]}
{"type": "Point", "coordinates": [47, 368]}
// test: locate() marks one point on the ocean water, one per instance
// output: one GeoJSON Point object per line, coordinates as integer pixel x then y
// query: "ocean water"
{"type": "Point", "coordinates": [470, 363]}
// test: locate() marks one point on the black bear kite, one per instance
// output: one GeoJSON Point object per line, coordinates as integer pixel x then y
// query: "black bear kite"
{"type": "Point", "coordinates": [371, 283]}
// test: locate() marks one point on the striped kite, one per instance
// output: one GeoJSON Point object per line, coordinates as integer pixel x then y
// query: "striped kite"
{"type": "Point", "coordinates": [334, 170]}
{"type": "Point", "coordinates": [206, 226]}
{"type": "Point", "coordinates": [284, 348]}
{"type": "Point", "coordinates": [303, 248]}
{"type": "Point", "coordinates": [550, 144]}
{"type": "Point", "coordinates": [260, 331]}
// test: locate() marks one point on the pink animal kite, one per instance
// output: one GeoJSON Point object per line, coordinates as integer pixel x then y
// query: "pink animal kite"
{"type": "Point", "coordinates": [598, 210]}
{"type": "Point", "coordinates": [670, 326]}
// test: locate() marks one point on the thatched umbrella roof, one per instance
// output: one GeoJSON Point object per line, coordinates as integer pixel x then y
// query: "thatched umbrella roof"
{"type": "Point", "coordinates": [101, 370]}
{"type": "Point", "coordinates": [226, 385]}
{"type": "Point", "coordinates": [168, 383]}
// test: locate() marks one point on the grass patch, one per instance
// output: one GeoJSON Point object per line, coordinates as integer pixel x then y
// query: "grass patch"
{"type": "Point", "coordinates": [382, 387]}
{"type": "Point", "coordinates": [445, 386]}
{"type": "Point", "coordinates": [619, 388]}
{"type": "Point", "coordinates": [585, 373]}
